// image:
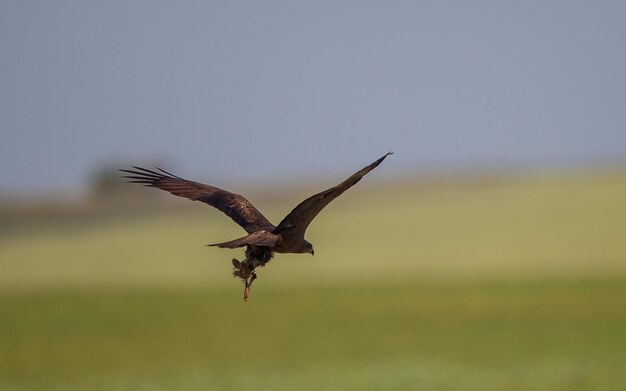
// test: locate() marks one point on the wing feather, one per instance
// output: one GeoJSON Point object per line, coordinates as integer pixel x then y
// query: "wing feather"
{"type": "Point", "coordinates": [233, 205]}
{"type": "Point", "coordinates": [297, 221]}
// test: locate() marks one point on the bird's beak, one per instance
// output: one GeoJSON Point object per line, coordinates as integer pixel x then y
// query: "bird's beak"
{"type": "Point", "coordinates": [312, 252]}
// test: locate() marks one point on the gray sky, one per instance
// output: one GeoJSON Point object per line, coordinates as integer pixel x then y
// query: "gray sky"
{"type": "Point", "coordinates": [269, 88]}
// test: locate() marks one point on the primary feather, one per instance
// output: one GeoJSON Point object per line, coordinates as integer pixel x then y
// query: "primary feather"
{"type": "Point", "coordinates": [233, 205]}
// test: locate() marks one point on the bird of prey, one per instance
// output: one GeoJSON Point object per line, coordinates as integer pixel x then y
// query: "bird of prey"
{"type": "Point", "coordinates": [263, 238]}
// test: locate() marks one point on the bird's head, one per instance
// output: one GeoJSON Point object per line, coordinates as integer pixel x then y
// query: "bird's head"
{"type": "Point", "coordinates": [308, 248]}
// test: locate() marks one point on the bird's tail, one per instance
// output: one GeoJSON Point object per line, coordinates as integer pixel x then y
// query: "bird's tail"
{"type": "Point", "coordinates": [259, 238]}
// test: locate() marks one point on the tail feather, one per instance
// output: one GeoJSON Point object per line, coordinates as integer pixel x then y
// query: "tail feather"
{"type": "Point", "coordinates": [258, 238]}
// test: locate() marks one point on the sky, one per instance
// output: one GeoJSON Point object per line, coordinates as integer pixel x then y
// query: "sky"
{"type": "Point", "coordinates": [217, 90]}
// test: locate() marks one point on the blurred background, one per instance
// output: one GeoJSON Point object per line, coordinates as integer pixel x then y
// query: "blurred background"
{"type": "Point", "coordinates": [487, 253]}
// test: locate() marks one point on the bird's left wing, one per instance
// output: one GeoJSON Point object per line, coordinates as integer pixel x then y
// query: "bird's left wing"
{"type": "Point", "coordinates": [234, 205]}
{"type": "Point", "coordinates": [297, 221]}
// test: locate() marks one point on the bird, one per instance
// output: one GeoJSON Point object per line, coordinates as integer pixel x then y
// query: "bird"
{"type": "Point", "coordinates": [263, 239]}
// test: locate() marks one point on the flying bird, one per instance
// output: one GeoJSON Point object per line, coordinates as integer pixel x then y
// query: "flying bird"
{"type": "Point", "coordinates": [263, 239]}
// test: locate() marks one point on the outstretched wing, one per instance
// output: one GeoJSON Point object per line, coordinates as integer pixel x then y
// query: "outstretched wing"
{"type": "Point", "coordinates": [297, 221]}
{"type": "Point", "coordinates": [234, 205]}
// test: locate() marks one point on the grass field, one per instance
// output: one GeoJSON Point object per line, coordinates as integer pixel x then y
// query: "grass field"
{"type": "Point", "coordinates": [512, 285]}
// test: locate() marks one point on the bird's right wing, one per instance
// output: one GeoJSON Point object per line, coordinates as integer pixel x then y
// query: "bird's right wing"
{"type": "Point", "coordinates": [234, 205]}
{"type": "Point", "coordinates": [297, 221]}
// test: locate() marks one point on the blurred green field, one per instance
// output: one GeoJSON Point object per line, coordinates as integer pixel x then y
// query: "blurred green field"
{"type": "Point", "coordinates": [510, 284]}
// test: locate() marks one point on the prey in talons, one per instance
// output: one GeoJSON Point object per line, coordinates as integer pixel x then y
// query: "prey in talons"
{"type": "Point", "coordinates": [245, 271]}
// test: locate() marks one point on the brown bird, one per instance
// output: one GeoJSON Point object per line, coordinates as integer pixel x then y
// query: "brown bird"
{"type": "Point", "coordinates": [263, 238]}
